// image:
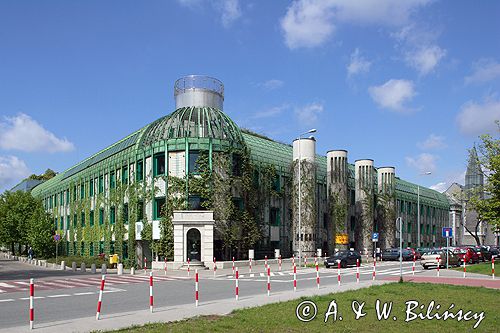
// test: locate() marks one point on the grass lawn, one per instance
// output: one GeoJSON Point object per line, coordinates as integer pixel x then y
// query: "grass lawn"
{"type": "Point", "coordinates": [281, 317]}
{"type": "Point", "coordinates": [481, 268]}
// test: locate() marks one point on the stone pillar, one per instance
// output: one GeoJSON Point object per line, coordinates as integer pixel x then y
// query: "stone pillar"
{"type": "Point", "coordinates": [304, 154]}
{"type": "Point", "coordinates": [120, 269]}
{"type": "Point", "coordinates": [364, 204]}
{"type": "Point", "coordinates": [103, 269]}
{"type": "Point", "coordinates": [337, 195]}
{"type": "Point", "coordinates": [73, 266]}
{"type": "Point", "coordinates": [83, 267]}
{"type": "Point", "coordinates": [386, 219]}
{"type": "Point", "coordinates": [92, 268]}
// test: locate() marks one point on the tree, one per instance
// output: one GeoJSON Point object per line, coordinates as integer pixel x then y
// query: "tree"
{"type": "Point", "coordinates": [48, 174]}
{"type": "Point", "coordinates": [40, 232]}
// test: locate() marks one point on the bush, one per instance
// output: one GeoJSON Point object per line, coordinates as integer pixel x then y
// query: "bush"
{"type": "Point", "coordinates": [87, 260]}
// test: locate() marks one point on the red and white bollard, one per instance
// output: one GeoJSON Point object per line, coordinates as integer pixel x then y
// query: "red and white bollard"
{"type": "Point", "coordinates": [32, 309]}
{"type": "Point", "coordinates": [265, 263]}
{"type": "Point", "coordinates": [189, 268]}
{"type": "Point", "coordinates": [464, 267]}
{"type": "Point", "coordinates": [145, 265]}
{"type": "Point", "coordinates": [99, 302]}
{"type": "Point", "coordinates": [374, 269]}
{"type": "Point", "coordinates": [338, 272]}
{"type": "Point", "coordinates": [215, 267]}
{"type": "Point", "coordinates": [439, 264]}
{"type": "Point", "coordinates": [250, 265]}
{"type": "Point", "coordinates": [305, 261]}
{"type": "Point", "coordinates": [413, 267]}
{"type": "Point", "coordinates": [279, 263]}
{"type": "Point", "coordinates": [151, 291]}
{"type": "Point", "coordinates": [196, 294]}
{"type": "Point", "coordinates": [165, 266]}
{"type": "Point", "coordinates": [357, 270]}
{"type": "Point", "coordinates": [237, 290]}
{"type": "Point", "coordinates": [268, 281]}
{"type": "Point", "coordinates": [293, 260]}
{"type": "Point", "coordinates": [317, 273]}
{"type": "Point", "coordinates": [294, 277]}
{"type": "Point", "coordinates": [233, 265]}
{"type": "Point", "coordinates": [493, 268]}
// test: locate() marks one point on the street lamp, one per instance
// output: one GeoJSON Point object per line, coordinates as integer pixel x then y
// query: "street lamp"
{"type": "Point", "coordinates": [399, 221]}
{"type": "Point", "coordinates": [418, 208]}
{"type": "Point", "coordinates": [312, 130]}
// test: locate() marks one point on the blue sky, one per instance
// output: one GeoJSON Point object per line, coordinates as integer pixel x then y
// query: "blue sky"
{"type": "Point", "coordinates": [410, 84]}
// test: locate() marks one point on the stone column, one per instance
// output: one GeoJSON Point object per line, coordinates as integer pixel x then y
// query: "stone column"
{"type": "Point", "coordinates": [386, 184]}
{"type": "Point", "coordinates": [364, 204]}
{"type": "Point", "coordinates": [337, 195]}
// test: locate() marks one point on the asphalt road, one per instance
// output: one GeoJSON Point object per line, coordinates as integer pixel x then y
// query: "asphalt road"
{"type": "Point", "coordinates": [68, 303]}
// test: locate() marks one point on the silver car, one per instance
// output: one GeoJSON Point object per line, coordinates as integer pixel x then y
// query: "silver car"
{"type": "Point", "coordinates": [432, 257]}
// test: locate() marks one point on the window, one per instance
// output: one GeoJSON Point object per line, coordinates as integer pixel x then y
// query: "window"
{"type": "Point", "coordinates": [91, 249]}
{"type": "Point", "coordinates": [91, 218]}
{"type": "Point", "coordinates": [325, 220]}
{"type": "Point", "coordinates": [101, 217]}
{"type": "Point", "coordinates": [158, 206]}
{"type": "Point", "coordinates": [67, 196]}
{"type": "Point", "coordinates": [82, 248]}
{"type": "Point", "coordinates": [74, 221]}
{"type": "Point", "coordinates": [139, 174]}
{"type": "Point", "coordinates": [112, 215]}
{"type": "Point", "coordinates": [353, 223]}
{"type": "Point", "coordinates": [101, 247]}
{"type": "Point", "coordinates": [101, 184]}
{"type": "Point", "coordinates": [140, 211]}
{"type": "Point", "coordinates": [409, 228]}
{"type": "Point", "coordinates": [276, 183]}
{"type": "Point", "coordinates": [421, 228]}
{"type": "Point", "coordinates": [67, 222]}
{"type": "Point", "coordinates": [112, 247]}
{"type": "Point", "coordinates": [62, 223]}
{"type": "Point", "coordinates": [238, 204]}
{"type": "Point", "coordinates": [112, 179]}
{"type": "Point", "coordinates": [125, 250]}
{"type": "Point", "coordinates": [237, 162]}
{"type": "Point", "coordinates": [159, 164]}
{"type": "Point", "coordinates": [74, 193]}
{"type": "Point", "coordinates": [125, 175]}
{"type": "Point", "coordinates": [82, 191]}
{"type": "Point", "coordinates": [91, 188]}
{"type": "Point", "coordinates": [193, 158]}
{"type": "Point", "coordinates": [61, 199]}
{"type": "Point", "coordinates": [125, 213]}
{"type": "Point", "coordinates": [274, 216]}
{"type": "Point", "coordinates": [427, 229]}
{"type": "Point", "coordinates": [82, 220]}
{"type": "Point", "coordinates": [433, 229]}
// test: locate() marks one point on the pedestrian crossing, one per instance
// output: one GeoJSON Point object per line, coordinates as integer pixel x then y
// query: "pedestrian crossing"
{"type": "Point", "coordinates": [82, 282]}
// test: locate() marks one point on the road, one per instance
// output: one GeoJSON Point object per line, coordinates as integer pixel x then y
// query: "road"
{"type": "Point", "coordinates": [67, 295]}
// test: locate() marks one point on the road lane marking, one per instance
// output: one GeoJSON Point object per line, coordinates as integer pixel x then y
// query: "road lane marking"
{"type": "Point", "coordinates": [6, 300]}
{"type": "Point", "coordinates": [57, 296]}
{"type": "Point", "coordinates": [86, 293]}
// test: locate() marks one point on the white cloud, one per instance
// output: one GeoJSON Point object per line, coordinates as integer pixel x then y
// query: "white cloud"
{"type": "Point", "coordinates": [475, 118]}
{"type": "Point", "coordinates": [440, 187]}
{"type": "Point", "coordinates": [23, 133]}
{"type": "Point", "coordinates": [484, 70]}
{"type": "Point", "coordinates": [229, 10]}
{"type": "Point", "coordinates": [309, 23]}
{"type": "Point", "coordinates": [423, 163]}
{"type": "Point", "coordinates": [433, 141]}
{"type": "Point", "coordinates": [357, 64]}
{"type": "Point", "coordinates": [425, 59]}
{"type": "Point", "coordinates": [12, 170]}
{"type": "Point", "coordinates": [309, 114]}
{"type": "Point", "coordinates": [393, 94]}
{"type": "Point", "coordinates": [272, 84]}
{"type": "Point", "coordinates": [274, 111]}
{"type": "Point", "coordinates": [453, 177]}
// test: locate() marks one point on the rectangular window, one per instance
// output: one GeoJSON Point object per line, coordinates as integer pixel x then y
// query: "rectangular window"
{"type": "Point", "coordinates": [427, 229]}
{"type": "Point", "coordinates": [139, 173]}
{"type": "Point", "coordinates": [112, 215]}
{"type": "Point", "coordinates": [159, 164]}
{"type": "Point", "coordinates": [194, 202]}
{"type": "Point", "coordinates": [101, 247]}
{"type": "Point", "coordinates": [238, 204]}
{"type": "Point", "coordinates": [91, 188]}
{"type": "Point", "coordinates": [125, 175]}
{"type": "Point", "coordinates": [67, 222]}
{"type": "Point", "coordinates": [61, 199]}
{"type": "Point", "coordinates": [140, 211]}
{"type": "Point", "coordinates": [237, 162]}
{"type": "Point", "coordinates": [421, 228]}
{"type": "Point", "coordinates": [158, 208]}
{"type": "Point", "coordinates": [91, 249]}
{"type": "Point", "coordinates": [82, 220]}
{"type": "Point", "coordinates": [353, 223]}
{"type": "Point", "coordinates": [82, 191]}
{"type": "Point", "coordinates": [91, 218]}
{"type": "Point", "coordinates": [75, 221]}
{"type": "Point", "coordinates": [101, 184]}
{"type": "Point", "coordinates": [409, 228]}
{"type": "Point", "coordinates": [276, 183]}
{"type": "Point", "coordinates": [62, 223]}
{"type": "Point", "coordinates": [433, 229]}
{"type": "Point", "coordinates": [111, 247]}
{"type": "Point", "coordinates": [112, 179]}
{"type": "Point", "coordinates": [67, 196]}
{"type": "Point", "coordinates": [125, 213]}
{"type": "Point", "coordinates": [82, 249]}
{"type": "Point", "coordinates": [274, 216]}
{"type": "Point", "coordinates": [101, 217]}
{"type": "Point", "coordinates": [193, 158]}
{"type": "Point", "coordinates": [74, 193]}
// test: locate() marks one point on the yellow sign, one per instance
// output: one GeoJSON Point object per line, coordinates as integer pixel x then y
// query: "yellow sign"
{"type": "Point", "coordinates": [342, 239]}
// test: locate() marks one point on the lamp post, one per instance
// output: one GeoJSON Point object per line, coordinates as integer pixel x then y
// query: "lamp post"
{"type": "Point", "coordinates": [418, 208]}
{"type": "Point", "coordinates": [399, 221]}
{"type": "Point", "coordinates": [313, 130]}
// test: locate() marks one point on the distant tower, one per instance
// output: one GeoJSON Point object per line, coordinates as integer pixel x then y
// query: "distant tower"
{"type": "Point", "coordinates": [337, 176]}
{"type": "Point", "coordinates": [364, 180]}
{"type": "Point", "coordinates": [474, 177]}
{"type": "Point", "coordinates": [386, 190]}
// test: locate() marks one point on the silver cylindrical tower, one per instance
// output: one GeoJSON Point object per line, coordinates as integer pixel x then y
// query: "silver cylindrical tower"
{"type": "Point", "coordinates": [200, 91]}
{"type": "Point", "coordinates": [304, 196]}
{"type": "Point", "coordinates": [337, 176]}
{"type": "Point", "coordinates": [386, 217]}
{"type": "Point", "coordinates": [364, 203]}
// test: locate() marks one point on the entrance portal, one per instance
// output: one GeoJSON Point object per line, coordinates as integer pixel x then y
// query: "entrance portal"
{"type": "Point", "coordinates": [193, 247]}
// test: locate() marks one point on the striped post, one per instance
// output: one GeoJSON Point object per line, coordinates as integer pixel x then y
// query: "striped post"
{"type": "Point", "coordinates": [493, 268]}
{"type": "Point", "coordinates": [250, 265]}
{"type": "Point", "coordinates": [279, 263]}
{"type": "Point", "coordinates": [317, 272]}
{"type": "Point", "coordinates": [464, 268]}
{"type": "Point", "coordinates": [32, 309]}
{"type": "Point", "coordinates": [151, 291]}
{"type": "Point", "coordinates": [196, 294]}
{"type": "Point", "coordinates": [265, 263]}
{"type": "Point", "coordinates": [374, 269]}
{"type": "Point", "coordinates": [293, 260]}
{"type": "Point", "coordinates": [215, 267]}
{"type": "Point", "coordinates": [165, 265]}
{"type": "Point", "coordinates": [189, 268]}
{"type": "Point", "coordinates": [294, 277]}
{"type": "Point", "coordinates": [338, 272]}
{"type": "Point", "coordinates": [439, 264]}
{"type": "Point", "coordinates": [305, 261]}
{"type": "Point", "coordinates": [99, 302]}
{"type": "Point", "coordinates": [237, 290]}
{"type": "Point", "coordinates": [233, 265]}
{"type": "Point", "coordinates": [413, 267]}
{"type": "Point", "coordinates": [268, 281]}
{"type": "Point", "coordinates": [145, 265]}
{"type": "Point", "coordinates": [357, 270]}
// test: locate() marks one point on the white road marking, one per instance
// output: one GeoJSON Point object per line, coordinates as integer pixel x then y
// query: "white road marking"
{"type": "Point", "coordinates": [86, 293]}
{"type": "Point", "coordinates": [6, 300]}
{"type": "Point", "coordinates": [57, 296]}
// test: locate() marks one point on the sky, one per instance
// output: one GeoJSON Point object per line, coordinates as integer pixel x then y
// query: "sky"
{"type": "Point", "coordinates": [409, 84]}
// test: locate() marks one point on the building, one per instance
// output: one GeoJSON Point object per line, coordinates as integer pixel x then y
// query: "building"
{"type": "Point", "coordinates": [197, 158]}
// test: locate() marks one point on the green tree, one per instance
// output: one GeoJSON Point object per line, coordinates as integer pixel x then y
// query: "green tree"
{"type": "Point", "coordinates": [41, 231]}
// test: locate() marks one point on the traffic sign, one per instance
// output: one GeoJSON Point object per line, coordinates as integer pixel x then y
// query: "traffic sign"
{"type": "Point", "coordinates": [447, 232]}
{"type": "Point", "coordinates": [375, 237]}
{"type": "Point", "coordinates": [57, 237]}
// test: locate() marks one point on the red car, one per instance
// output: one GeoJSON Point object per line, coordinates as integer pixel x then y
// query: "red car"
{"type": "Point", "coordinates": [468, 254]}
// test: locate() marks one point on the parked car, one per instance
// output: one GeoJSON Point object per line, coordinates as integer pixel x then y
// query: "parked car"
{"type": "Point", "coordinates": [466, 253]}
{"type": "Point", "coordinates": [495, 251]}
{"type": "Point", "coordinates": [393, 254]}
{"type": "Point", "coordinates": [483, 253]}
{"type": "Point", "coordinates": [433, 257]}
{"type": "Point", "coordinates": [345, 257]}
{"type": "Point", "coordinates": [415, 253]}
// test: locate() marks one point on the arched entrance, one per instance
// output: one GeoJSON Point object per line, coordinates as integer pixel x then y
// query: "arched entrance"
{"type": "Point", "coordinates": [193, 244]}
